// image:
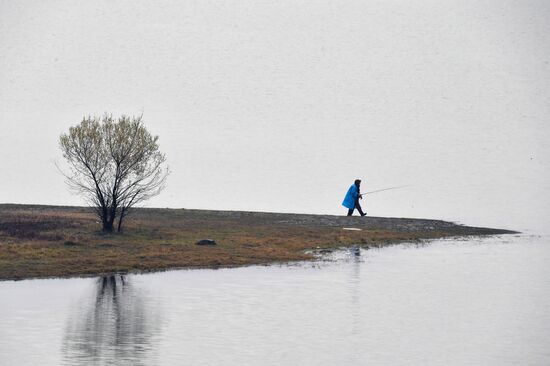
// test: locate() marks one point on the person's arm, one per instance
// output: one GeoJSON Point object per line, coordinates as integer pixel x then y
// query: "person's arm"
{"type": "Point", "coordinates": [355, 193]}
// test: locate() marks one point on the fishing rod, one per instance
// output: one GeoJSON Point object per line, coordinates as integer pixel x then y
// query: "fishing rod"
{"type": "Point", "coordinates": [385, 189]}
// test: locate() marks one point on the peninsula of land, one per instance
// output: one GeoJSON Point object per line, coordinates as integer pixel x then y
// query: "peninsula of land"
{"type": "Point", "coordinates": [57, 241]}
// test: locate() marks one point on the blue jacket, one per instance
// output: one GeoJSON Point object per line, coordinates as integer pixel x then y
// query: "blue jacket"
{"type": "Point", "coordinates": [351, 197]}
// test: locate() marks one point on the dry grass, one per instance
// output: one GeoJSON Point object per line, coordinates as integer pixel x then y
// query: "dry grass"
{"type": "Point", "coordinates": [46, 241]}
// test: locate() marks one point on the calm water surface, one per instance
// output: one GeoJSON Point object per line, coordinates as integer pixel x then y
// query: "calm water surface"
{"type": "Point", "coordinates": [449, 302]}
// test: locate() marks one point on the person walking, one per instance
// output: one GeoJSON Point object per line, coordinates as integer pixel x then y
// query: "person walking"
{"type": "Point", "coordinates": [351, 201]}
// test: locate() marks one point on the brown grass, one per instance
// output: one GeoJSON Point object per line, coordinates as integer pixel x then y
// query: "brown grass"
{"type": "Point", "coordinates": [46, 241]}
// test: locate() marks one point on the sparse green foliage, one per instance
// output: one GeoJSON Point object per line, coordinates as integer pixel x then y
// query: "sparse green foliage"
{"type": "Point", "coordinates": [114, 165]}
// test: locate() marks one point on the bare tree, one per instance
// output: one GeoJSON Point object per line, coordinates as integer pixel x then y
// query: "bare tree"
{"type": "Point", "coordinates": [114, 165]}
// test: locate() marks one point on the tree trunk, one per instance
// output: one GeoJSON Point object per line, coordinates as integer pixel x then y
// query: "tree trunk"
{"type": "Point", "coordinates": [120, 221]}
{"type": "Point", "coordinates": [108, 223]}
{"type": "Point", "coordinates": [108, 226]}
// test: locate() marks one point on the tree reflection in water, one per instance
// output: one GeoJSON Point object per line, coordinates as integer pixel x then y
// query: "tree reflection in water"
{"type": "Point", "coordinates": [115, 327]}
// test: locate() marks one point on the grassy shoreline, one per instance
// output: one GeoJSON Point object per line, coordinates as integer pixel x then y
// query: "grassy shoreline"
{"type": "Point", "coordinates": [59, 241]}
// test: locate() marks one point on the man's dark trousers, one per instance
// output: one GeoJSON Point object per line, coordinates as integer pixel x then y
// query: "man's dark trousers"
{"type": "Point", "coordinates": [358, 207]}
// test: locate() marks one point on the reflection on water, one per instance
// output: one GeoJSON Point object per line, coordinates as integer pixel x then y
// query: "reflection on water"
{"type": "Point", "coordinates": [114, 326]}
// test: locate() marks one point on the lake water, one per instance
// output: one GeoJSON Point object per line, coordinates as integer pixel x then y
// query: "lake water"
{"type": "Point", "coordinates": [481, 301]}
{"type": "Point", "coordinates": [279, 106]}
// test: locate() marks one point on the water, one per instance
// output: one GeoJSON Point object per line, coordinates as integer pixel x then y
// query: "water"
{"type": "Point", "coordinates": [481, 301]}
{"type": "Point", "coordinates": [279, 106]}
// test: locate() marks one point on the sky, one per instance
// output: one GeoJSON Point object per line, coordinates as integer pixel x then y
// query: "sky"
{"type": "Point", "coordinates": [280, 105]}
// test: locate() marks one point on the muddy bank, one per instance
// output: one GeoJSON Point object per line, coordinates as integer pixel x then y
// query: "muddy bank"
{"type": "Point", "coordinates": [47, 241]}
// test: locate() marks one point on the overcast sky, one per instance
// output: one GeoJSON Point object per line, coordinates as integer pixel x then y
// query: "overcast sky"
{"type": "Point", "coordinates": [280, 105]}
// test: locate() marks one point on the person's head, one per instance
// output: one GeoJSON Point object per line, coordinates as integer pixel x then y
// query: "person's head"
{"type": "Point", "coordinates": [357, 182]}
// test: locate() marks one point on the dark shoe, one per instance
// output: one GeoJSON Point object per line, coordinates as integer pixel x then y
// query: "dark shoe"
{"type": "Point", "coordinates": [364, 214]}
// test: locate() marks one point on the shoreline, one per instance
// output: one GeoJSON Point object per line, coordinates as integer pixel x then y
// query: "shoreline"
{"type": "Point", "coordinates": [39, 241]}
